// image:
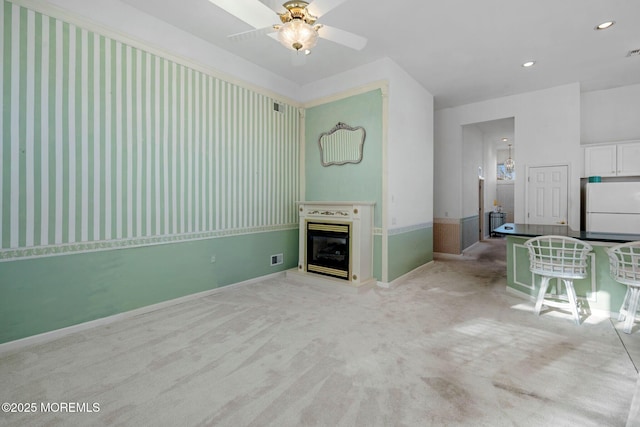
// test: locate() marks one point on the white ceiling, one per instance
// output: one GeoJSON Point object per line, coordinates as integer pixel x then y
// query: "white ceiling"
{"type": "Point", "coordinates": [461, 51]}
{"type": "Point", "coordinates": [495, 130]}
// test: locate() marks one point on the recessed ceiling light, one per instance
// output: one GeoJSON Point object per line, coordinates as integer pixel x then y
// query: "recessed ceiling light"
{"type": "Point", "coordinates": [529, 64]}
{"type": "Point", "coordinates": [504, 139]}
{"type": "Point", "coordinates": [604, 25]}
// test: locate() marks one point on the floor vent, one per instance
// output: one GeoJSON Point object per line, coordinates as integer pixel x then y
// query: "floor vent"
{"type": "Point", "coordinates": [277, 259]}
{"type": "Point", "coordinates": [635, 52]}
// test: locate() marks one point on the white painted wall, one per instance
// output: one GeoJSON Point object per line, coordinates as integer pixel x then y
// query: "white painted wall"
{"type": "Point", "coordinates": [447, 166]}
{"type": "Point", "coordinates": [610, 115]}
{"type": "Point", "coordinates": [505, 193]}
{"type": "Point", "coordinates": [361, 76]}
{"type": "Point", "coordinates": [409, 151]}
{"type": "Point", "coordinates": [503, 155]}
{"type": "Point", "coordinates": [472, 141]}
{"type": "Point", "coordinates": [121, 21]}
{"type": "Point", "coordinates": [547, 128]}
{"type": "Point", "coordinates": [490, 172]}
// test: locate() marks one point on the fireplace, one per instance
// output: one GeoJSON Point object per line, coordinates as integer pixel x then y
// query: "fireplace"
{"type": "Point", "coordinates": [336, 242]}
{"type": "Point", "coordinates": [328, 249]}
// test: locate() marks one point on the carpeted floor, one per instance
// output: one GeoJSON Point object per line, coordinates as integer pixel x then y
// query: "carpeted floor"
{"type": "Point", "coordinates": [447, 346]}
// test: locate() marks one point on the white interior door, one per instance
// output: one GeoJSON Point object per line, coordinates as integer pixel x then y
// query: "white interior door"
{"type": "Point", "coordinates": [547, 190]}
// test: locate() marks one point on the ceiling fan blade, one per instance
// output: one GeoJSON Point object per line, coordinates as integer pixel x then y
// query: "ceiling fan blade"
{"type": "Point", "coordinates": [251, 34]}
{"type": "Point", "coordinates": [342, 37]}
{"type": "Point", "coordinates": [252, 12]}
{"type": "Point", "coordinates": [320, 7]}
{"type": "Point", "coordinates": [275, 5]}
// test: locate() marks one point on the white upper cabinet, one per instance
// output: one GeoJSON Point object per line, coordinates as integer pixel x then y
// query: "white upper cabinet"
{"type": "Point", "coordinates": [628, 159]}
{"type": "Point", "coordinates": [612, 159]}
{"type": "Point", "coordinates": [600, 160]}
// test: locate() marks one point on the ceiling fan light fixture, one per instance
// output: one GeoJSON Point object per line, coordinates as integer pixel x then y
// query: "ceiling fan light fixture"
{"type": "Point", "coordinates": [297, 10]}
{"type": "Point", "coordinates": [297, 34]}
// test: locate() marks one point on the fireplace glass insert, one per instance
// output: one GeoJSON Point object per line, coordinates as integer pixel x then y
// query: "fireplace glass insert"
{"type": "Point", "coordinates": [328, 249]}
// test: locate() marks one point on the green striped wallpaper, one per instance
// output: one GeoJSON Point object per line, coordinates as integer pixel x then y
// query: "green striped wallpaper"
{"type": "Point", "coordinates": [106, 145]}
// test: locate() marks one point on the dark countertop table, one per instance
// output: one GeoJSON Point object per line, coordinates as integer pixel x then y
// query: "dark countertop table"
{"type": "Point", "coordinates": [532, 230]}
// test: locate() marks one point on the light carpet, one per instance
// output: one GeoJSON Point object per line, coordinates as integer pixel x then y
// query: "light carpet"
{"type": "Point", "coordinates": [446, 346]}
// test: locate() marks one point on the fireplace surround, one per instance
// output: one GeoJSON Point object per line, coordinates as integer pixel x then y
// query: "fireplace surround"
{"type": "Point", "coordinates": [336, 241]}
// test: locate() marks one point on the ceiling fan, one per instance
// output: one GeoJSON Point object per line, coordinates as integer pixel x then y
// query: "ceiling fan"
{"type": "Point", "coordinates": [298, 30]}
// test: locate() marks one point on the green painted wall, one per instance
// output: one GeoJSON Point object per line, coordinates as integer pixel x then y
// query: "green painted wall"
{"type": "Point", "coordinates": [44, 294]}
{"type": "Point", "coordinates": [409, 250]}
{"type": "Point", "coordinates": [349, 182]}
{"type": "Point", "coordinates": [108, 147]}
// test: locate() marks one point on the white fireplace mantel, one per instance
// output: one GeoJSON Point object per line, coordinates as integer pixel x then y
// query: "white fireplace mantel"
{"type": "Point", "coordinates": [359, 216]}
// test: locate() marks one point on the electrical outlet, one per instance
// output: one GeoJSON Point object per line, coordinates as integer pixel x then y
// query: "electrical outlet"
{"type": "Point", "coordinates": [213, 259]}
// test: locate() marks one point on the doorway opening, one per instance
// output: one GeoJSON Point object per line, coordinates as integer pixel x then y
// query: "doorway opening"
{"type": "Point", "coordinates": [485, 146]}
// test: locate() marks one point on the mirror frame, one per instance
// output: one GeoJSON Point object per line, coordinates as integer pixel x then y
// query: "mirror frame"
{"type": "Point", "coordinates": [342, 126]}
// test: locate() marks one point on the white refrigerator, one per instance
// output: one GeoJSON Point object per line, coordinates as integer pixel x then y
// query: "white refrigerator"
{"type": "Point", "coordinates": [613, 207]}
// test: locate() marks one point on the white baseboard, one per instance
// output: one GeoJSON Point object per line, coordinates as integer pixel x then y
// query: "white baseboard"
{"type": "Point", "coordinates": [59, 333]}
{"type": "Point", "coordinates": [340, 285]}
{"type": "Point", "coordinates": [397, 281]}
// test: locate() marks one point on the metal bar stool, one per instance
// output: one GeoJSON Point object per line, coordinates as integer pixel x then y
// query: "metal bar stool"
{"type": "Point", "coordinates": [624, 266]}
{"type": "Point", "coordinates": [563, 258]}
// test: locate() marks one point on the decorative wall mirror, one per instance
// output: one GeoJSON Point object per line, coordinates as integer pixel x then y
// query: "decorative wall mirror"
{"type": "Point", "coordinates": [342, 144]}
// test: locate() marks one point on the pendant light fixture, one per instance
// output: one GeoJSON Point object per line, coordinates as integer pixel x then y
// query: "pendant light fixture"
{"type": "Point", "coordinates": [509, 164]}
